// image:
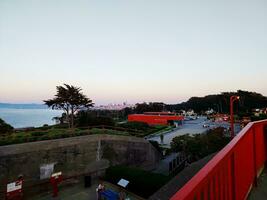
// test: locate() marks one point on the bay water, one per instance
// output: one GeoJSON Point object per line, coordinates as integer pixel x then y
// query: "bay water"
{"type": "Point", "coordinates": [19, 118]}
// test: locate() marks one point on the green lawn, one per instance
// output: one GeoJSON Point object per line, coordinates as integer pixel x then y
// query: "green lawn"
{"type": "Point", "coordinates": [53, 133]}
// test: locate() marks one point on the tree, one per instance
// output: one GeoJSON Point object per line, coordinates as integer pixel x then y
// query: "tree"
{"type": "Point", "coordinates": [200, 145]}
{"type": "Point", "coordinates": [70, 99]}
{"type": "Point", "coordinates": [220, 102]}
{"type": "Point", "coordinates": [87, 118]}
{"type": "Point", "coordinates": [149, 107]}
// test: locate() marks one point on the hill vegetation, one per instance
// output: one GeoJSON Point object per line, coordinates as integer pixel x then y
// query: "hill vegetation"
{"type": "Point", "coordinates": [221, 102]}
{"type": "Point", "coordinates": [218, 102]}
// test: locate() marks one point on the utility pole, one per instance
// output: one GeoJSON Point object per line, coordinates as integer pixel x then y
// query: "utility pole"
{"type": "Point", "coordinates": [232, 100]}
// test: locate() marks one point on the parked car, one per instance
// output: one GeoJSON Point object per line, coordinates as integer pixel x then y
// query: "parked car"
{"type": "Point", "coordinates": [206, 126]}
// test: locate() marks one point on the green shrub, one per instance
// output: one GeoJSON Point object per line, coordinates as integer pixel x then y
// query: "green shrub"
{"type": "Point", "coordinates": [33, 139]}
{"type": "Point", "coordinates": [5, 128]}
{"type": "Point", "coordinates": [200, 145]}
{"type": "Point", "coordinates": [4, 142]}
{"type": "Point", "coordinates": [45, 137]}
{"type": "Point", "coordinates": [86, 118]}
{"type": "Point", "coordinates": [142, 183]}
{"type": "Point", "coordinates": [135, 125]}
{"type": "Point", "coordinates": [38, 133]}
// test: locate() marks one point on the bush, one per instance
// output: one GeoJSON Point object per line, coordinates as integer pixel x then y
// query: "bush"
{"type": "Point", "coordinates": [4, 142]}
{"type": "Point", "coordinates": [200, 145]}
{"type": "Point", "coordinates": [136, 125]}
{"type": "Point", "coordinates": [45, 137]}
{"type": "Point", "coordinates": [141, 182]}
{"type": "Point", "coordinates": [38, 133]}
{"type": "Point", "coordinates": [257, 118]}
{"type": "Point", "coordinates": [85, 118]}
{"type": "Point", "coordinates": [33, 139]}
{"type": "Point", "coordinates": [45, 127]}
{"type": "Point", "coordinates": [4, 127]}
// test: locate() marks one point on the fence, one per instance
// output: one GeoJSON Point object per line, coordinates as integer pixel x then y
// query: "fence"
{"type": "Point", "coordinates": [233, 171]}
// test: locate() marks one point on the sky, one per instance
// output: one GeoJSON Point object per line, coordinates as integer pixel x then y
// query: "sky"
{"type": "Point", "coordinates": [132, 50]}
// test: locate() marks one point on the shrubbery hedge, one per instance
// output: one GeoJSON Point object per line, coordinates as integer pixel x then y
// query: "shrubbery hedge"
{"type": "Point", "coordinates": [142, 183]}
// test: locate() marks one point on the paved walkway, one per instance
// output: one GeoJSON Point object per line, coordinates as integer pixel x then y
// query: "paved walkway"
{"type": "Point", "coordinates": [79, 192]}
{"type": "Point", "coordinates": [76, 192]}
{"type": "Point", "coordinates": [260, 192]}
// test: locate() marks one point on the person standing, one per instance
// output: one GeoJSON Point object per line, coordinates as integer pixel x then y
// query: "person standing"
{"type": "Point", "coordinates": [122, 195]}
{"type": "Point", "coordinates": [100, 188]}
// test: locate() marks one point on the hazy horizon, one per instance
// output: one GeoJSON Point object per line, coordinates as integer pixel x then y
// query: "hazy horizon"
{"type": "Point", "coordinates": [106, 103]}
{"type": "Point", "coordinates": [134, 51]}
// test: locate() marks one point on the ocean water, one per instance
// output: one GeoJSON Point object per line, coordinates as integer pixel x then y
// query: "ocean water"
{"type": "Point", "coordinates": [19, 118]}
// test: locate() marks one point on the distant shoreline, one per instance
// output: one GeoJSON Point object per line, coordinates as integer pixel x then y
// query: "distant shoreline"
{"type": "Point", "coordinates": [23, 106]}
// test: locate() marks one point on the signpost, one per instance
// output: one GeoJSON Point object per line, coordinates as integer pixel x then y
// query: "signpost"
{"type": "Point", "coordinates": [14, 190]}
{"type": "Point", "coordinates": [123, 183]}
{"type": "Point", "coordinates": [46, 170]}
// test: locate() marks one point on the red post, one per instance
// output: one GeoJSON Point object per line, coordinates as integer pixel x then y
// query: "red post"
{"type": "Point", "coordinates": [55, 189]}
{"type": "Point", "coordinates": [232, 116]}
{"type": "Point", "coordinates": [55, 179]}
{"type": "Point", "coordinates": [232, 100]}
{"type": "Point", "coordinates": [255, 157]}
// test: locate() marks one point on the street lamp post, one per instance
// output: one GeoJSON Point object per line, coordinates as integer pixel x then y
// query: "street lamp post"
{"type": "Point", "coordinates": [232, 100]}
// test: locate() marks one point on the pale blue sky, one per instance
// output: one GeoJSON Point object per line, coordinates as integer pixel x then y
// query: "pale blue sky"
{"type": "Point", "coordinates": [138, 50]}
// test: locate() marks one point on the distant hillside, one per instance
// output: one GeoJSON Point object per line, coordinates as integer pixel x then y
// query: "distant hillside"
{"type": "Point", "coordinates": [22, 106]}
{"type": "Point", "coordinates": [220, 102]}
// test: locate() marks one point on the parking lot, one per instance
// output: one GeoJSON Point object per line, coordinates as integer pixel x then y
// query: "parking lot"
{"type": "Point", "coordinates": [192, 127]}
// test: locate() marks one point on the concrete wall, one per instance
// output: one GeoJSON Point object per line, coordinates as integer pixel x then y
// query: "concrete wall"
{"type": "Point", "coordinates": [74, 156]}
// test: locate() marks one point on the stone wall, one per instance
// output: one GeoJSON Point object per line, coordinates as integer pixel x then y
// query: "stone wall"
{"type": "Point", "coordinates": [74, 156]}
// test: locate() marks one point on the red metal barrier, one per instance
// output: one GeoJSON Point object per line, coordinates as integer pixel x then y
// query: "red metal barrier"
{"type": "Point", "coordinates": [233, 171]}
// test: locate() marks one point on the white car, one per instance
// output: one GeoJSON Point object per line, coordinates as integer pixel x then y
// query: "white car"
{"type": "Point", "coordinates": [206, 126]}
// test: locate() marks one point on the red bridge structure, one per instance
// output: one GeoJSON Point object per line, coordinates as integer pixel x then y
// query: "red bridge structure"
{"type": "Point", "coordinates": [156, 118]}
{"type": "Point", "coordinates": [233, 171]}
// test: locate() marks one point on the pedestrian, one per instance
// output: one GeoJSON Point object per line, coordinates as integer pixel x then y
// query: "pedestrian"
{"type": "Point", "coordinates": [100, 188]}
{"type": "Point", "coordinates": [122, 195]}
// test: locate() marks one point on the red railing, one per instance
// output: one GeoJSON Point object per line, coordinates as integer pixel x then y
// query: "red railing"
{"type": "Point", "coordinates": [233, 171]}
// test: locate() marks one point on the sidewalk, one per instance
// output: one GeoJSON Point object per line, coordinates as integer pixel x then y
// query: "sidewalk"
{"type": "Point", "coordinates": [79, 192]}
{"type": "Point", "coordinates": [76, 192]}
{"type": "Point", "coordinates": [260, 192]}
